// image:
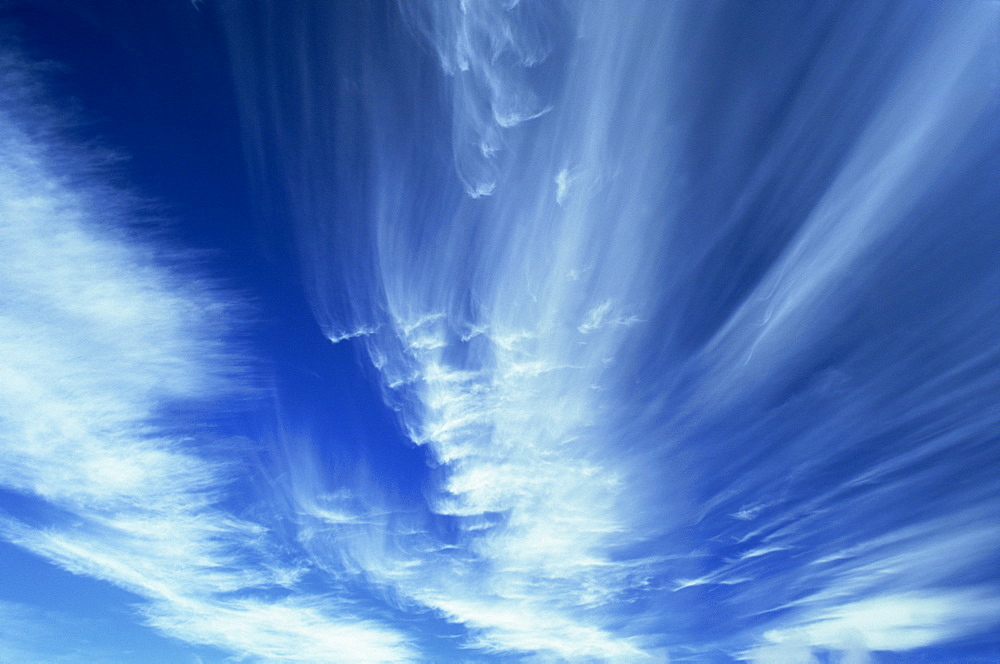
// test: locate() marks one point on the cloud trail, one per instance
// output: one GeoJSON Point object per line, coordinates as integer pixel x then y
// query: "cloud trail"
{"type": "Point", "coordinates": [689, 313]}
{"type": "Point", "coordinates": [102, 334]}
{"type": "Point", "coordinates": [690, 304]}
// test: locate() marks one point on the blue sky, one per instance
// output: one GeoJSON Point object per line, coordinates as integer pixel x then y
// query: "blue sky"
{"type": "Point", "coordinates": [499, 331]}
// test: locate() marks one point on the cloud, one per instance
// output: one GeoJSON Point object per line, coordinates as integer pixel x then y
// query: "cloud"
{"type": "Point", "coordinates": [896, 622]}
{"type": "Point", "coordinates": [557, 459]}
{"type": "Point", "coordinates": [490, 52]}
{"type": "Point", "coordinates": [893, 622]}
{"type": "Point", "coordinates": [801, 424]}
{"type": "Point", "coordinates": [102, 333]}
{"type": "Point", "coordinates": [295, 630]}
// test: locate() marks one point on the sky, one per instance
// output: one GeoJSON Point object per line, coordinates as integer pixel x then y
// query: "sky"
{"type": "Point", "coordinates": [499, 331]}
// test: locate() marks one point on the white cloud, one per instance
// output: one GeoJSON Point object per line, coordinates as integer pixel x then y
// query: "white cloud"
{"type": "Point", "coordinates": [296, 630]}
{"type": "Point", "coordinates": [100, 331]}
{"type": "Point", "coordinates": [897, 622]}
{"type": "Point", "coordinates": [569, 441]}
{"type": "Point", "coordinates": [923, 117]}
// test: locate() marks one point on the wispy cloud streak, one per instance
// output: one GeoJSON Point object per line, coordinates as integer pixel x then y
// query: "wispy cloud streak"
{"type": "Point", "coordinates": [103, 334]}
{"type": "Point", "coordinates": [690, 305]}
